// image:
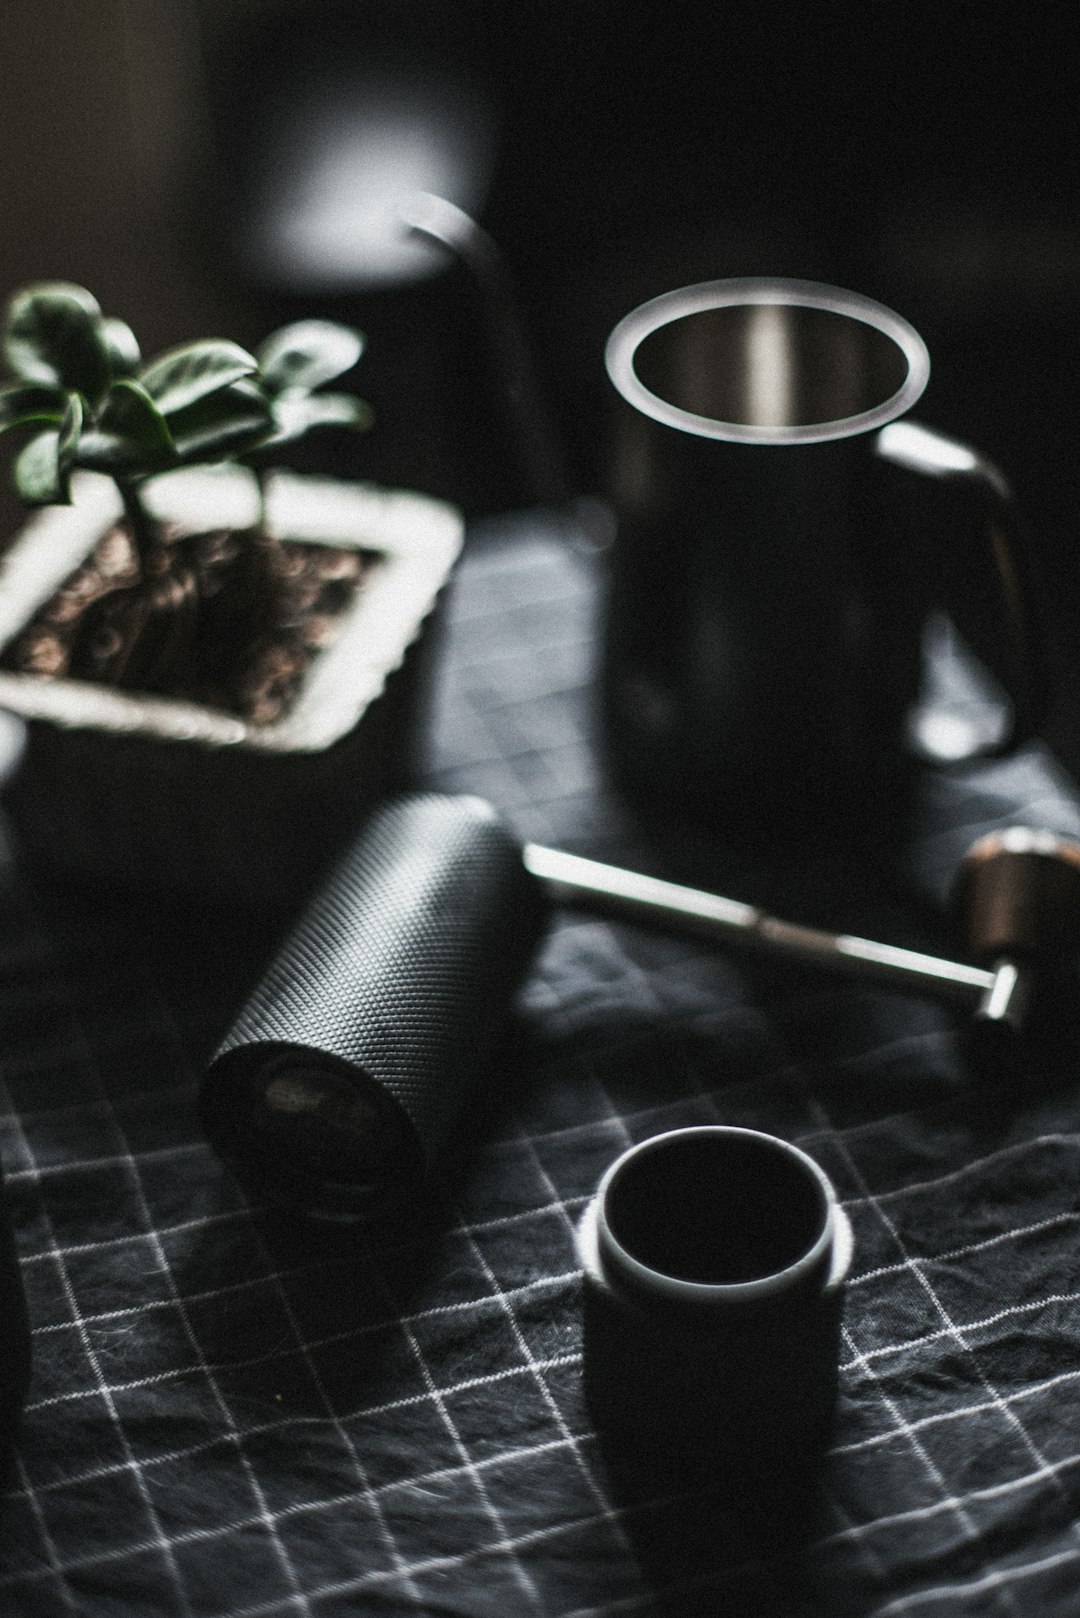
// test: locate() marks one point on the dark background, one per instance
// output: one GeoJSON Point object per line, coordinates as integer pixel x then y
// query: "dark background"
{"type": "Point", "coordinates": [924, 156]}
{"type": "Point", "coordinates": [929, 158]}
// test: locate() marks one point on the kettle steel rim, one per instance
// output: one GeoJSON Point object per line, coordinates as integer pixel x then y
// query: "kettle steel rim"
{"type": "Point", "coordinates": [631, 331]}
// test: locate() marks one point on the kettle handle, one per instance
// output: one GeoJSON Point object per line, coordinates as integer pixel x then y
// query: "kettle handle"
{"type": "Point", "coordinates": [1013, 647]}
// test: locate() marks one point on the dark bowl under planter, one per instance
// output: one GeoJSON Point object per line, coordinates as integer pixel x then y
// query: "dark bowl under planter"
{"type": "Point", "coordinates": [146, 793]}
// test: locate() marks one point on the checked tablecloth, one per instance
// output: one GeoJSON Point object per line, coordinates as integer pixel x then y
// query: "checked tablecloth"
{"type": "Point", "coordinates": [232, 1416]}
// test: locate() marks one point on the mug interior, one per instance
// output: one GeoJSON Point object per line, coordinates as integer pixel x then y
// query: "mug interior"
{"type": "Point", "coordinates": [768, 361]}
{"type": "Point", "coordinates": [716, 1207]}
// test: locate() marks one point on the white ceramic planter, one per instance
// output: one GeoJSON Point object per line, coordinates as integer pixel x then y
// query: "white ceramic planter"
{"type": "Point", "coordinates": [148, 793]}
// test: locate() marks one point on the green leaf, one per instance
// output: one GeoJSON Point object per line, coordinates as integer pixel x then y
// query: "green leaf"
{"type": "Point", "coordinates": [130, 434]}
{"type": "Point", "coordinates": [298, 414]}
{"type": "Point", "coordinates": [43, 466]}
{"type": "Point", "coordinates": [70, 432]}
{"type": "Point", "coordinates": [183, 376]}
{"type": "Point", "coordinates": [25, 403]}
{"type": "Point", "coordinates": [53, 334]}
{"type": "Point", "coordinates": [306, 354]}
{"type": "Point", "coordinates": [229, 422]}
{"type": "Point", "coordinates": [37, 472]}
{"type": "Point", "coordinates": [122, 346]}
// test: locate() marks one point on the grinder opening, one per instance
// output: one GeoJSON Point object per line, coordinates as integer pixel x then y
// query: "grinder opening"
{"type": "Point", "coordinates": [715, 1210]}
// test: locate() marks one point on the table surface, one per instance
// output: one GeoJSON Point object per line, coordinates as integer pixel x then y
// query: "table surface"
{"type": "Point", "coordinates": [232, 1416]}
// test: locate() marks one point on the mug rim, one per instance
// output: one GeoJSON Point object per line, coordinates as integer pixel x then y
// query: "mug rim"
{"type": "Point", "coordinates": [626, 338]}
{"type": "Point", "coordinates": [660, 1284]}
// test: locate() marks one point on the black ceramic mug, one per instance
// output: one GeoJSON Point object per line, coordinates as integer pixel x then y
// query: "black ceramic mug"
{"type": "Point", "coordinates": [776, 560]}
{"type": "Point", "coordinates": [714, 1260]}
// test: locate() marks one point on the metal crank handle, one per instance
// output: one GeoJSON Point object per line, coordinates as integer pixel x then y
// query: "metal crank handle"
{"type": "Point", "coordinates": [998, 995]}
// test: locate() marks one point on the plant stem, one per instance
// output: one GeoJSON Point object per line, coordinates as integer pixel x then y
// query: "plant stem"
{"type": "Point", "coordinates": [260, 475]}
{"type": "Point", "coordinates": [143, 528]}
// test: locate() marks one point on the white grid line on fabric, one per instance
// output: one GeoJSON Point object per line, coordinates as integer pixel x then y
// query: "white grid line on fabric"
{"type": "Point", "coordinates": [901, 1426]}
{"type": "Point", "coordinates": [563, 1133]}
{"type": "Point", "coordinates": [219, 1530]}
{"type": "Point", "coordinates": [939, 1418]}
{"type": "Point", "coordinates": [996, 1580]}
{"type": "Point", "coordinates": [467, 1306]}
{"type": "Point", "coordinates": [223, 1441]}
{"type": "Point", "coordinates": [496, 775]}
{"type": "Point", "coordinates": [243, 1215]}
{"type": "Point", "coordinates": [79, 1249]}
{"type": "Point", "coordinates": [973, 1166]}
{"type": "Point", "coordinates": [502, 1540]}
{"type": "Point", "coordinates": [55, 1568]}
{"type": "Point", "coordinates": [501, 695]}
{"type": "Point", "coordinates": [566, 1133]}
{"type": "Point", "coordinates": [875, 1441]}
{"type": "Point", "coordinates": [917, 1446]}
{"type": "Point", "coordinates": [1049, 1471]}
{"type": "Point", "coordinates": [298, 1600]}
{"type": "Point", "coordinates": [869, 1551]}
{"type": "Point", "coordinates": [462, 1559]}
{"type": "Point", "coordinates": [504, 1296]}
{"type": "Point", "coordinates": [719, 1575]}
{"type": "Point", "coordinates": [949, 1255]}
{"type": "Point", "coordinates": [558, 1205]}
{"type": "Point", "coordinates": [159, 1154]}
{"type": "Point", "coordinates": [643, 1600]}
{"type": "Point", "coordinates": [528, 558]}
{"type": "Point", "coordinates": [332, 1416]}
{"type": "Point", "coordinates": [277, 1276]}
{"type": "Point", "coordinates": [545, 1391]}
{"type": "Point", "coordinates": [284, 1423]}
{"type": "Point", "coordinates": [1014, 1312]}
{"type": "Point", "coordinates": [490, 665]}
{"type": "Point", "coordinates": [1045, 1470]}
{"type": "Point", "coordinates": [968, 1527]}
{"type": "Point", "coordinates": [159, 1540]}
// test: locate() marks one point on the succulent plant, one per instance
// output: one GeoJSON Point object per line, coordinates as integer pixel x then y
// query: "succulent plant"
{"type": "Point", "coordinates": [156, 610]}
{"type": "Point", "coordinates": [88, 400]}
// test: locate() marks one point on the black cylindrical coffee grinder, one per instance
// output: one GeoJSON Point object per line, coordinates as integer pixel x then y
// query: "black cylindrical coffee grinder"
{"type": "Point", "coordinates": [347, 1068]}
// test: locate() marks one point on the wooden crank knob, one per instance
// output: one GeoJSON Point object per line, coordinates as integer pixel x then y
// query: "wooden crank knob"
{"type": "Point", "coordinates": [1018, 893]}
